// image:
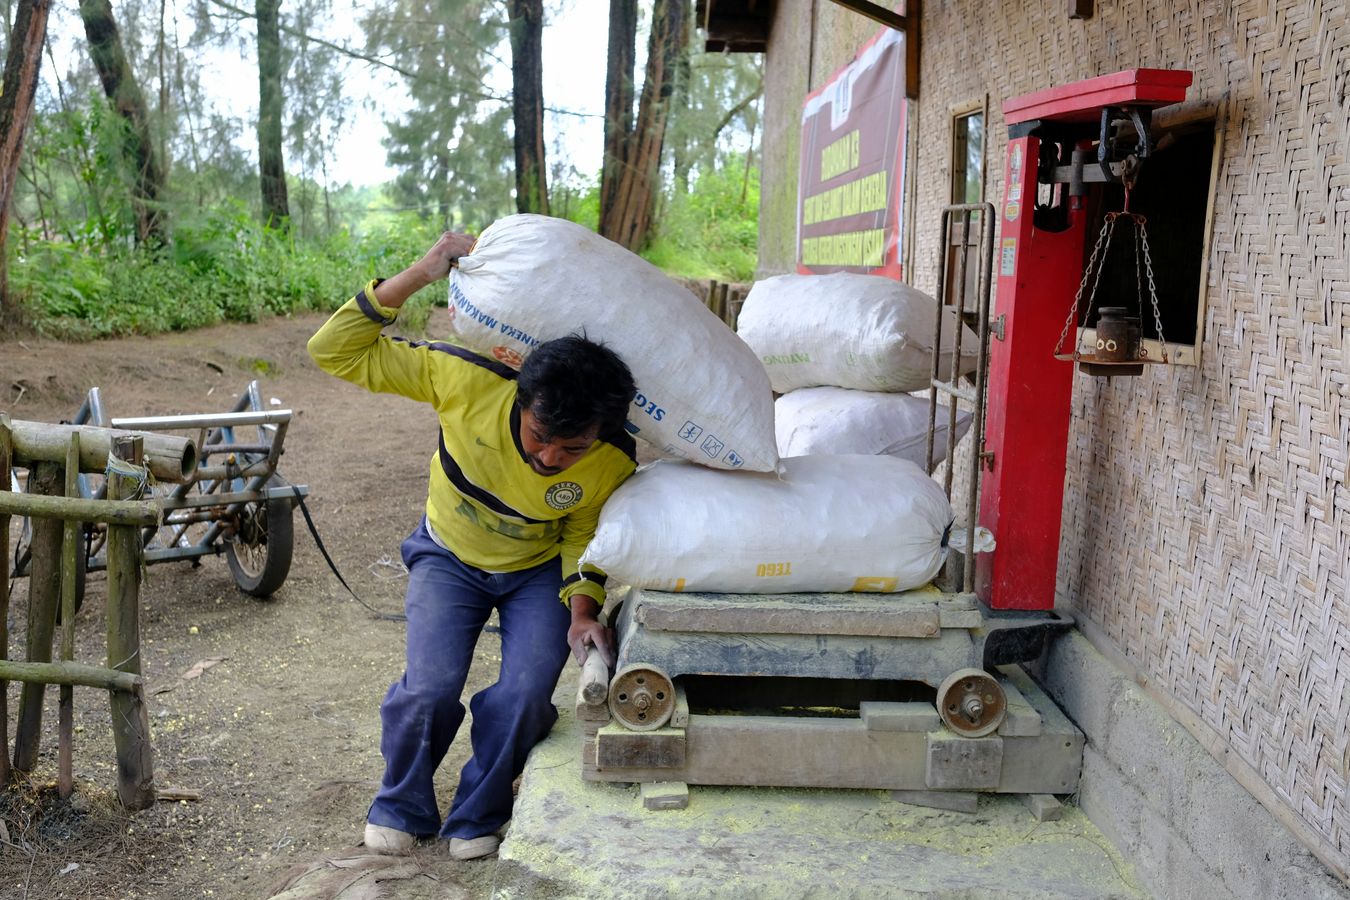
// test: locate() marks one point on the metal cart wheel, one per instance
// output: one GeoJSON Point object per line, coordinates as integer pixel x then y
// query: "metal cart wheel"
{"type": "Point", "coordinates": [641, 697]}
{"type": "Point", "coordinates": [23, 554]}
{"type": "Point", "coordinates": [259, 552]}
{"type": "Point", "coordinates": [971, 703]}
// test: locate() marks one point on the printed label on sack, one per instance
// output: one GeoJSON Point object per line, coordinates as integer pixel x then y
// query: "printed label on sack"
{"type": "Point", "coordinates": [773, 570]}
{"type": "Point", "coordinates": [690, 432]}
{"type": "Point", "coordinates": [481, 317]}
{"type": "Point", "coordinates": [649, 406]}
{"type": "Point", "coordinates": [874, 584]}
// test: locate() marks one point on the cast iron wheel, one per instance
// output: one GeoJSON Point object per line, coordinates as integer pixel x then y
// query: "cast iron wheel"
{"type": "Point", "coordinates": [259, 553]}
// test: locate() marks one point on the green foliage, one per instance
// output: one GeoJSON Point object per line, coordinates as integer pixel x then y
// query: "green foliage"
{"type": "Point", "coordinates": [221, 266]}
{"type": "Point", "coordinates": [713, 230]}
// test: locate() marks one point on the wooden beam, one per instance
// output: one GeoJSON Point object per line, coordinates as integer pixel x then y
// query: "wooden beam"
{"type": "Point", "coordinates": [908, 23]}
{"type": "Point", "coordinates": [170, 457]}
{"type": "Point", "coordinates": [69, 673]}
{"type": "Point", "coordinates": [71, 547]}
{"type": "Point", "coordinates": [77, 509]}
{"type": "Point", "coordinates": [877, 13]}
{"type": "Point", "coordinates": [130, 721]}
{"type": "Point", "coordinates": [44, 597]}
{"type": "Point", "coordinates": [5, 445]}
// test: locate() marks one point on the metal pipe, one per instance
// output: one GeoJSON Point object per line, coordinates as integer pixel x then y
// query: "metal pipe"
{"type": "Point", "coordinates": [204, 420]}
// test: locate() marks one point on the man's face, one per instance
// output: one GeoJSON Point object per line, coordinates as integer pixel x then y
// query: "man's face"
{"type": "Point", "coordinates": [550, 454]}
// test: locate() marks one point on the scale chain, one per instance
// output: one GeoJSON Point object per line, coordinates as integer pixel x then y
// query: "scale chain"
{"type": "Point", "coordinates": [1152, 288]}
{"type": "Point", "coordinates": [1107, 227]}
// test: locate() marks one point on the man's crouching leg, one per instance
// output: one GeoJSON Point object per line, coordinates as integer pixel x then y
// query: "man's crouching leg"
{"type": "Point", "coordinates": [447, 607]}
{"type": "Point", "coordinates": [514, 714]}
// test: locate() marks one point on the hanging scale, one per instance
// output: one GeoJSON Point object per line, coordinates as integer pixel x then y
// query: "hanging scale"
{"type": "Point", "coordinates": [1119, 349]}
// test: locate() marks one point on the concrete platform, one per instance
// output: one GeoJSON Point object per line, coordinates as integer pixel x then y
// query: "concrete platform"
{"type": "Point", "coordinates": [572, 838]}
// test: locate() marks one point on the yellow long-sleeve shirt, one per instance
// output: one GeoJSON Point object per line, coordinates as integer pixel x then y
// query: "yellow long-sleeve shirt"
{"type": "Point", "coordinates": [484, 501]}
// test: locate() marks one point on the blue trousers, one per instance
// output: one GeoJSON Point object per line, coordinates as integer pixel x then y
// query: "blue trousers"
{"type": "Point", "coordinates": [447, 604]}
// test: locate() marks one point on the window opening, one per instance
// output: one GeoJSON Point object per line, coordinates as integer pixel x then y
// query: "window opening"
{"type": "Point", "coordinates": [1175, 193]}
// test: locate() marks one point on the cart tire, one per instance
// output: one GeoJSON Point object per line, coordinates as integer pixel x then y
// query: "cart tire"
{"type": "Point", "coordinates": [260, 555]}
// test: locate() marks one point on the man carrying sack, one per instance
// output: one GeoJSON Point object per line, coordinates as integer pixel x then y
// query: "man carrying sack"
{"type": "Point", "coordinates": [524, 464]}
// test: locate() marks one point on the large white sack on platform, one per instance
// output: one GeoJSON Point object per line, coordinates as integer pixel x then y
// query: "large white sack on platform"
{"type": "Point", "coordinates": [702, 393]}
{"type": "Point", "coordinates": [831, 523]}
{"type": "Point", "coordinates": [838, 420]}
{"type": "Point", "coordinates": [865, 332]}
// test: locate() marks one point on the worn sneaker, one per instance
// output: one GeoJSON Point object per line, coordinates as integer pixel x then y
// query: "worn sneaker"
{"type": "Point", "coordinates": [473, 848]}
{"type": "Point", "coordinates": [383, 839]}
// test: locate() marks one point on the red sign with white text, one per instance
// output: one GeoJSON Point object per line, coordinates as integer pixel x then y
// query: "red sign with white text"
{"type": "Point", "coordinates": [851, 181]}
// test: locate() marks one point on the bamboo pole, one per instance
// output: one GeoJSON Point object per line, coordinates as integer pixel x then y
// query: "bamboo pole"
{"type": "Point", "coordinates": [70, 673]}
{"type": "Point", "coordinates": [5, 445]}
{"type": "Point", "coordinates": [169, 457]}
{"type": "Point", "coordinates": [131, 724]}
{"type": "Point", "coordinates": [593, 689]}
{"type": "Point", "coordinates": [44, 593]}
{"type": "Point", "coordinates": [77, 509]}
{"type": "Point", "coordinates": [65, 708]}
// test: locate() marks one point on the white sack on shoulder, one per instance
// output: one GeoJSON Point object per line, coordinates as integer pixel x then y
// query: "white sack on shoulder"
{"type": "Point", "coordinates": [831, 523]}
{"type": "Point", "coordinates": [702, 394]}
{"type": "Point", "coordinates": [838, 420]}
{"type": "Point", "coordinates": [865, 332]}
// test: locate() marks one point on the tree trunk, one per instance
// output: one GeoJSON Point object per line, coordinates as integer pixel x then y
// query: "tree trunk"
{"type": "Point", "coordinates": [635, 190]}
{"type": "Point", "coordinates": [527, 103]}
{"type": "Point", "coordinates": [123, 91]}
{"type": "Point", "coordinates": [271, 163]}
{"type": "Point", "coordinates": [618, 104]}
{"type": "Point", "coordinates": [16, 105]}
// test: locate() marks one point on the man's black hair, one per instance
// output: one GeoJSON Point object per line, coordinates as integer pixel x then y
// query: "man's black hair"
{"type": "Point", "coordinates": [573, 384]}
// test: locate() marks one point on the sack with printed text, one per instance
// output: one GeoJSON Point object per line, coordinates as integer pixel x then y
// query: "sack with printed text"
{"type": "Point", "coordinates": [865, 332]}
{"type": "Point", "coordinates": [702, 394]}
{"type": "Point", "coordinates": [837, 420]}
{"type": "Point", "coordinates": [830, 524]}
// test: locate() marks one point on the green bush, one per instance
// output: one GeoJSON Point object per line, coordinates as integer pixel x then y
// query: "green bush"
{"type": "Point", "coordinates": [713, 230]}
{"type": "Point", "coordinates": [221, 265]}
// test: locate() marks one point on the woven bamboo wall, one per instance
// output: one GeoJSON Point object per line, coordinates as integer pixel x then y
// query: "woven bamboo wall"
{"type": "Point", "coordinates": [1207, 514]}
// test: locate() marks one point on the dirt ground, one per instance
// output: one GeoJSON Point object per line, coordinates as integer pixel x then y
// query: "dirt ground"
{"type": "Point", "coordinates": [281, 736]}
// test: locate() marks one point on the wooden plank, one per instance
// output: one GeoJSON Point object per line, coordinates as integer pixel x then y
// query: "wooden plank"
{"type": "Point", "coordinates": [679, 718]}
{"type": "Point", "coordinates": [1054, 760]}
{"type": "Point", "coordinates": [959, 611]}
{"type": "Point", "coordinates": [960, 763]}
{"type": "Point", "coordinates": [787, 751]}
{"type": "Point", "coordinates": [802, 656]}
{"type": "Point", "coordinates": [909, 614]}
{"type": "Point", "coordinates": [956, 801]}
{"type": "Point", "coordinates": [1045, 807]}
{"type": "Point", "coordinates": [1022, 719]}
{"type": "Point", "coordinates": [44, 594]}
{"type": "Point", "coordinates": [617, 747]}
{"type": "Point", "coordinates": [665, 795]}
{"type": "Point", "coordinates": [884, 716]}
{"type": "Point", "coordinates": [131, 723]}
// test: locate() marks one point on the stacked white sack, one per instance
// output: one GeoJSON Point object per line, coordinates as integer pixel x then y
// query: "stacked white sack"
{"type": "Point", "coordinates": [865, 332]}
{"type": "Point", "coordinates": [818, 420]}
{"type": "Point", "coordinates": [830, 524]}
{"type": "Point", "coordinates": [702, 394]}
